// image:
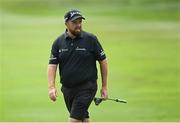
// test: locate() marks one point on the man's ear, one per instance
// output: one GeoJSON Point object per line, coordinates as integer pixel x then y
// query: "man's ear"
{"type": "Point", "coordinates": [66, 23]}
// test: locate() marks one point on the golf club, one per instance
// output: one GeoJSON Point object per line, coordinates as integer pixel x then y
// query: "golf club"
{"type": "Point", "coordinates": [98, 100]}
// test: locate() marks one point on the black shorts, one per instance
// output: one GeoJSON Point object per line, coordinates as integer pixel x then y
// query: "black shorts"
{"type": "Point", "coordinates": [78, 100]}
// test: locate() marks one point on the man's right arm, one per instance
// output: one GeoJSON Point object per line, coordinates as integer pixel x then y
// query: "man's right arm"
{"type": "Point", "coordinates": [51, 81]}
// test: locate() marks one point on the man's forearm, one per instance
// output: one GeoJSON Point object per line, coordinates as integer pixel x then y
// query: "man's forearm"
{"type": "Point", "coordinates": [51, 75]}
{"type": "Point", "coordinates": [104, 72]}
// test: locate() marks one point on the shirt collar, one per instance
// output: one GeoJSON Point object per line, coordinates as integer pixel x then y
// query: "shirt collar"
{"type": "Point", "coordinates": [67, 36]}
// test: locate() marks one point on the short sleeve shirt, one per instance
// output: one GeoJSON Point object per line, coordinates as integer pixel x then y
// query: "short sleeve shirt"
{"type": "Point", "coordinates": [77, 58]}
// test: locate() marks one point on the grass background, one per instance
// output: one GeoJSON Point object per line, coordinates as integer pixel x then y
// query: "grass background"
{"type": "Point", "coordinates": [141, 39]}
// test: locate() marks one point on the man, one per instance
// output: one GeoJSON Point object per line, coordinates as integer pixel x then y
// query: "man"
{"type": "Point", "coordinates": [76, 52]}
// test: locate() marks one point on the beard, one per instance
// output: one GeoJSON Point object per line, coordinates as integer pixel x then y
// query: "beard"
{"type": "Point", "coordinates": [76, 31]}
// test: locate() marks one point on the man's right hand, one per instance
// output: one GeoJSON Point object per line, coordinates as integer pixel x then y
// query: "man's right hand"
{"type": "Point", "coordinates": [52, 94]}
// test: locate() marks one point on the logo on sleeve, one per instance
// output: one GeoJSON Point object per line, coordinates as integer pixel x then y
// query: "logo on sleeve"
{"type": "Point", "coordinates": [52, 57]}
{"type": "Point", "coordinates": [102, 53]}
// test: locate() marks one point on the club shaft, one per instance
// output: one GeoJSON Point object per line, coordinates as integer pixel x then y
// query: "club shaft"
{"type": "Point", "coordinates": [117, 100]}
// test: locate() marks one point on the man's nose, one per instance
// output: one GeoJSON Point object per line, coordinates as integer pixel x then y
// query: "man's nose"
{"type": "Point", "coordinates": [78, 25]}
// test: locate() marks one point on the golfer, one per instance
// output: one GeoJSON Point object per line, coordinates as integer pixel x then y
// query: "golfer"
{"type": "Point", "coordinates": [76, 53]}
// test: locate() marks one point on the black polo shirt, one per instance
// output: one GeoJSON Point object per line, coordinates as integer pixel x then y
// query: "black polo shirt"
{"type": "Point", "coordinates": [77, 58]}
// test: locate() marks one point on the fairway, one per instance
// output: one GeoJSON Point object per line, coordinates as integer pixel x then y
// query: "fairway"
{"type": "Point", "coordinates": [141, 40]}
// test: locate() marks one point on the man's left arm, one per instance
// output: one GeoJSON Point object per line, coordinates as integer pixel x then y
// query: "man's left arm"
{"type": "Point", "coordinates": [104, 75]}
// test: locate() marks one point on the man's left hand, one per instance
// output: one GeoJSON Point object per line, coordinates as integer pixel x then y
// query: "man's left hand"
{"type": "Point", "coordinates": [104, 93]}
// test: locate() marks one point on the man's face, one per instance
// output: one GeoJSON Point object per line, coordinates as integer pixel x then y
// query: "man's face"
{"type": "Point", "coordinates": [75, 26]}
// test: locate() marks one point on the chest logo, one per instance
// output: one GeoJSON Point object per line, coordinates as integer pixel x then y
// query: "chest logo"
{"type": "Point", "coordinates": [62, 50]}
{"type": "Point", "coordinates": [82, 49]}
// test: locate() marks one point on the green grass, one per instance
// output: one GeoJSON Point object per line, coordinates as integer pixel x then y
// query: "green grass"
{"type": "Point", "coordinates": [142, 43]}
